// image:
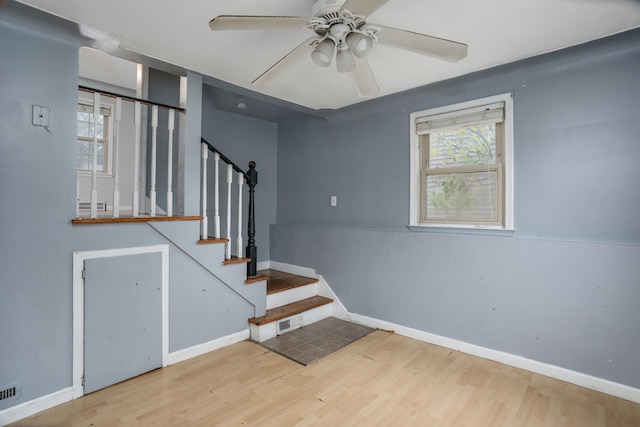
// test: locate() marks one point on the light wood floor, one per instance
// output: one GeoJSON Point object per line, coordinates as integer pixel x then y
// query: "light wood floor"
{"type": "Point", "coordinates": [380, 380]}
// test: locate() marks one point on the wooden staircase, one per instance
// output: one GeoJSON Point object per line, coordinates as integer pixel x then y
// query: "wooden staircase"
{"type": "Point", "coordinates": [292, 302]}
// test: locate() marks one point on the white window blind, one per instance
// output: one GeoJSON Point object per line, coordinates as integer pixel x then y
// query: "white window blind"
{"type": "Point", "coordinates": [85, 108]}
{"type": "Point", "coordinates": [488, 114]}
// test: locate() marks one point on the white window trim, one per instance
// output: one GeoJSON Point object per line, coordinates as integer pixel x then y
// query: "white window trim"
{"type": "Point", "coordinates": [86, 98]}
{"type": "Point", "coordinates": [414, 166]}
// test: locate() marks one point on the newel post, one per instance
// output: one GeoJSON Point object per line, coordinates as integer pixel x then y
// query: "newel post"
{"type": "Point", "coordinates": [251, 251]}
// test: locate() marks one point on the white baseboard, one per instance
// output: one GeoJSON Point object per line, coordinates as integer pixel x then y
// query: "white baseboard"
{"type": "Point", "coordinates": [292, 269]}
{"type": "Point", "coordinates": [200, 349]}
{"type": "Point", "coordinates": [573, 377]}
{"type": "Point", "coordinates": [263, 265]}
{"type": "Point", "coordinates": [34, 406]}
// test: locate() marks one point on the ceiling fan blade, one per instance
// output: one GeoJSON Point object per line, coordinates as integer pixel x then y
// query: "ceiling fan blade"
{"type": "Point", "coordinates": [299, 53]}
{"type": "Point", "coordinates": [363, 79]}
{"type": "Point", "coordinates": [421, 43]}
{"type": "Point", "coordinates": [363, 7]}
{"type": "Point", "coordinates": [240, 22]}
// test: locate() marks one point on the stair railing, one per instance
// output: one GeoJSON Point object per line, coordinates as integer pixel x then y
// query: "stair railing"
{"type": "Point", "coordinates": [139, 105]}
{"type": "Point", "coordinates": [251, 177]}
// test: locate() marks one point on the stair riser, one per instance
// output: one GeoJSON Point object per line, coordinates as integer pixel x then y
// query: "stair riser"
{"type": "Point", "coordinates": [266, 332]}
{"type": "Point", "coordinates": [291, 295]}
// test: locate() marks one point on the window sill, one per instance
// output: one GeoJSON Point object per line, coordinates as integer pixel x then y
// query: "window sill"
{"type": "Point", "coordinates": [99, 174]}
{"type": "Point", "coordinates": [456, 229]}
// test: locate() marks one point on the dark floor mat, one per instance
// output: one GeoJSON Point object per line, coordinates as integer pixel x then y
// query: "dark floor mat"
{"type": "Point", "coordinates": [317, 340]}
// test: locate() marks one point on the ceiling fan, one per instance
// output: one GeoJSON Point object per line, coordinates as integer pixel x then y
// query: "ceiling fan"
{"type": "Point", "coordinates": [341, 30]}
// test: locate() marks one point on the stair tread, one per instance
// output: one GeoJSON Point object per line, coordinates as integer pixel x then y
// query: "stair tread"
{"type": "Point", "coordinates": [141, 218]}
{"type": "Point", "coordinates": [210, 240]}
{"type": "Point", "coordinates": [288, 310]}
{"type": "Point", "coordinates": [235, 260]}
{"type": "Point", "coordinates": [254, 279]}
{"type": "Point", "coordinates": [280, 281]}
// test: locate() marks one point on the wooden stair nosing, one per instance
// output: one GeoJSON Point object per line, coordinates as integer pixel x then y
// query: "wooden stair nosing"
{"type": "Point", "coordinates": [235, 260]}
{"type": "Point", "coordinates": [142, 218]}
{"type": "Point", "coordinates": [254, 279]}
{"type": "Point", "coordinates": [289, 310]}
{"type": "Point", "coordinates": [212, 240]}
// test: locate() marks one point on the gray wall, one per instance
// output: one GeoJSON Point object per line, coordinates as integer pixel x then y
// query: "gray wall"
{"type": "Point", "coordinates": [39, 66]}
{"type": "Point", "coordinates": [562, 290]}
{"type": "Point", "coordinates": [37, 170]}
{"type": "Point", "coordinates": [243, 139]}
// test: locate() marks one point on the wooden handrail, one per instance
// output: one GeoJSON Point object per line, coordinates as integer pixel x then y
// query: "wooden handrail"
{"type": "Point", "coordinates": [223, 157]}
{"type": "Point", "coordinates": [129, 98]}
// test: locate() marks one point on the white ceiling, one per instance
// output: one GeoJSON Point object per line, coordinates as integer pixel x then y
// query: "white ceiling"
{"type": "Point", "coordinates": [496, 31]}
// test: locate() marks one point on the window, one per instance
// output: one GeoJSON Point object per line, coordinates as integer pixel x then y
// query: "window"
{"type": "Point", "coordinates": [462, 167]}
{"type": "Point", "coordinates": [85, 135]}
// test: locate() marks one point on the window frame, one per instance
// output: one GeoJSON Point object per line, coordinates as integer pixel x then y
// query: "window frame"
{"type": "Point", "coordinates": [108, 141]}
{"type": "Point", "coordinates": [417, 199]}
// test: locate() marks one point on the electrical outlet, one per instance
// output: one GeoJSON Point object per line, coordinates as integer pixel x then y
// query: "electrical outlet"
{"type": "Point", "coordinates": [40, 116]}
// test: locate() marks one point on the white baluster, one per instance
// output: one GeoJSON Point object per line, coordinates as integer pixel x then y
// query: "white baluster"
{"type": "Point", "coordinates": [154, 144]}
{"type": "Point", "coordinates": [170, 127]}
{"type": "Point", "coordinates": [229, 182]}
{"type": "Point", "coordinates": [240, 184]}
{"type": "Point", "coordinates": [204, 232]}
{"type": "Point", "coordinates": [135, 205]}
{"type": "Point", "coordinates": [216, 212]}
{"type": "Point", "coordinates": [116, 160]}
{"type": "Point", "coordinates": [94, 158]}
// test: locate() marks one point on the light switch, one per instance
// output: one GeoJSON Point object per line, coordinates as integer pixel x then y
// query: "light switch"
{"type": "Point", "coordinates": [334, 200]}
{"type": "Point", "coordinates": [40, 116]}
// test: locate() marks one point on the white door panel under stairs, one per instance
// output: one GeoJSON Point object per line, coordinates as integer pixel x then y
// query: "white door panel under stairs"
{"type": "Point", "coordinates": [122, 318]}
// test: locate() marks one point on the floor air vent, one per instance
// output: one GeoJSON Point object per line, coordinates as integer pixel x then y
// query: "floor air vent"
{"type": "Point", "coordinates": [9, 392]}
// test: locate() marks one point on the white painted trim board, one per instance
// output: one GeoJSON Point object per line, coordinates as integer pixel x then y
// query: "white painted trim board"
{"type": "Point", "coordinates": [32, 407]}
{"type": "Point", "coordinates": [292, 269]}
{"type": "Point", "coordinates": [200, 349]}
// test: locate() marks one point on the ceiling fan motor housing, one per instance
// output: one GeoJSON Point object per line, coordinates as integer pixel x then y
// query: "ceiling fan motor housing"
{"type": "Point", "coordinates": [326, 7]}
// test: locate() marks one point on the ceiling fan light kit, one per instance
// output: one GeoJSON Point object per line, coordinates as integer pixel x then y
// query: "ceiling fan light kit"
{"type": "Point", "coordinates": [341, 30]}
{"type": "Point", "coordinates": [323, 52]}
{"type": "Point", "coordinates": [345, 61]}
{"type": "Point", "coordinates": [359, 43]}
{"type": "Point", "coordinates": [343, 34]}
